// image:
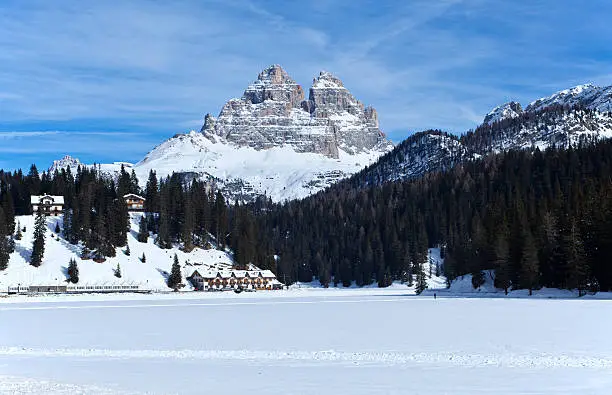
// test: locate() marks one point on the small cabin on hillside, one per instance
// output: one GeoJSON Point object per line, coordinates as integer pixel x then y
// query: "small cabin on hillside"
{"type": "Point", "coordinates": [48, 204]}
{"type": "Point", "coordinates": [134, 202]}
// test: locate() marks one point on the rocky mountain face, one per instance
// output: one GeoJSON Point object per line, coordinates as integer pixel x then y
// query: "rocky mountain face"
{"type": "Point", "coordinates": [66, 162]}
{"type": "Point", "coordinates": [588, 96]}
{"type": "Point", "coordinates": [505, 111]}
{"type": "Point", "coordinates": [273, 112]}
{"type": "Point", "coordinates": [273, 141]}
{"type": "Point", "coordinates": [574, 116]}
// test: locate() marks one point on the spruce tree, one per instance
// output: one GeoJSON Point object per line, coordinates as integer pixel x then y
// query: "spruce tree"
{"type": "Point", "coordinates": [73, 271]}
{"type": "Point", "coordinates": [38, 246]}
{"type": "Point", "coordinates": [577, 269]}
{"type": "Point", "coordinates": [152, 194]}
{"type": "Point", "coordinates": [530, 269]}
{"type": "Point", "coordinates": [421, 280]}
{"type": "Point", "coordinates": [188, 225]}
{"type": "Point", "coordinates": [134, 188]}
{"type": "Point", "coordinates": [143, 230]}
{"type": "Point", "coordinates": [18, 234]}
{"type": "Point", "coordinates": [174, 280]}
{"type": "Point", "coordinates": [501, 263]}
{"type": "Point", "coordinates": [117, 271]}
{"type": "Point", "coordinates": [5, 253]}
{"type": "Point", "coordinates": [127, 251]}
{"type": "Point", "coordinates": [478, 279]}
{"type": "Point", "coordinates": [163, 234]}
{"type": "Point", "coordinates": [143, 259]}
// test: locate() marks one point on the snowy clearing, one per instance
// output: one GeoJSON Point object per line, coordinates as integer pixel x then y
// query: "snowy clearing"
{"type": "Point", "coordinates": [353, 341]}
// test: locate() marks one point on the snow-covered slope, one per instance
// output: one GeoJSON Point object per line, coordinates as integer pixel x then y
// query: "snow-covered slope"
{"type": "Point", "coordinates": [149, 275]}
{"type": "Point", "coordinates": [68, 162]}
{"type": "Point", "coordinates": [572, 117]}
{"type": "Point", "coordinates": [505, 111]}
{"type": "Point", "coordinates": [589, 96]}
{"type": "Point", "coordinates": [278, 172]}
{"type": "Point", "coordinates": [273, 142]}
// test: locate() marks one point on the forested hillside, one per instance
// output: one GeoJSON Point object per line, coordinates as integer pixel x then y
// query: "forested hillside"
{"type": "Point", "coordinates": [554, 125]}
{"type": "Point", "coordinates": [538, 218]}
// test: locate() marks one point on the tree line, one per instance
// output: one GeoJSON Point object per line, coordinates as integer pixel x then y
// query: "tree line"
{"type": "Point", "coordinates": [538, 218]}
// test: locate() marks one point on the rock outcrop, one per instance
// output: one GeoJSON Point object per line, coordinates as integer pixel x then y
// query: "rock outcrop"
{"type": "Point", "coordinates": [273, 112]}
{"type": "Point", "coordinates": [505, 111]}
{"type": "Point", "coordinates": [66, 162]}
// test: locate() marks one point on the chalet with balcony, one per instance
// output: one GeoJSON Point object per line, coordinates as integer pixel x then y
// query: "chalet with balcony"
{"type": "Point", "coordinates": [48, 204]}
{"type": "Point", "coordinates": [223, 280]}
{"type": "Point", "coordinates": [134, 202]}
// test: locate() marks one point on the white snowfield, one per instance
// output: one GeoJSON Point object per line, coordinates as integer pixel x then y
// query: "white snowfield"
{"type": "Point", "coordinates": [279, 172]}
{"type": "Point", "coordinates": [150, 275]}
{"type": "Point", "coordinates": [363, 341]}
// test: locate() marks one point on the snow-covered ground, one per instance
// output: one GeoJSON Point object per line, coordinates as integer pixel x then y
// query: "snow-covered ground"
{"type": "Point", "coordinates": [150, 275]}
{"type": "Point", "coordinates": [351, 342]}
{"type": "Point", "coordinates": [279, 172]}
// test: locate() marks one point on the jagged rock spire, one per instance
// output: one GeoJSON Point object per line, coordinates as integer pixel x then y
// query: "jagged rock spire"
{"type": "Point", "coordinates": [272, 112]}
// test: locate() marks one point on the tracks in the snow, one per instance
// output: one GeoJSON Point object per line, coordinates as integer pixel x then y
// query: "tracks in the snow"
{"type": "Point", "coordinates": [535, 360]}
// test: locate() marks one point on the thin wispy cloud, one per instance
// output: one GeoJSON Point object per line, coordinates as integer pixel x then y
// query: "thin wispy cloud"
{"type": "Point", "coordinates": [152, 69]}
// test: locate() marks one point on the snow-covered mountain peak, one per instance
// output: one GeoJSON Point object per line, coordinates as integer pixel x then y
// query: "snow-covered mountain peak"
{"type": "Point", "coordinates": [588, 95]}
{"type": "Point", "coordinates": [327, 80]}
{"type": "Point", "coordinates": [274, 83]}
{"type": "Point", "coordinates": [66, 161]}
{"type": "Point", "coordinates": [505, 111]}
{"type": "Point", "coordinates": [271, 141]}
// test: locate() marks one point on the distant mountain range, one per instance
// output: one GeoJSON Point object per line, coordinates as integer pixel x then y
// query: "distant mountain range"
{"type": "Point", "coordinates": [580, 115]}
{"type": "Point", "coordinates": [273, 141]}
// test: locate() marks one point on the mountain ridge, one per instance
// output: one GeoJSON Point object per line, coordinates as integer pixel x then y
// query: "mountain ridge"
{"type": "Point", "coordinates": [285, 161]}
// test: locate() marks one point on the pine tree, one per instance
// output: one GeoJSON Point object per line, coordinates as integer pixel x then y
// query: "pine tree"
{"type": "Point", "coordinates": [117, 271]}
{"type": "Point", "coordinates": [143, 231]}
{"type": "Point", "coordinates": [5, 253]}
{"type": "Point", "coordinates": [421, 280]}
{"type": "Point", "coordinates": [134, 188]}
{"type": "Point", "coordinates": [73, 271]}
{"type": "Point", "coordinates": [188, 225]}
{"type": "Point", "coordinates": [220, 219]}
{"type": "Point", "coordinates": [577, 268]}
{"type": "Point", "coordinates": [163, 234]}
{"type": "Point", "coordinates": [478, 279]}
{"type": "Point", "coordinates": [143, 259]}
{"type": "Point", "coordinates": [18, 234]}
{"type": "Point", "coordinates": [123, 183]}
{"type": "Point", "coordinates": [501, 263]}
{"type": "Point", "coordinates": [174, 280]}
{"type": "Point", "coordinates": [119, 222]}
{"type": "Point", "coordinates": [152, 194]}
{"type": "Point", "coordinates": [530, 269]}
{"type": "Point", "coordinates": [38, 247]}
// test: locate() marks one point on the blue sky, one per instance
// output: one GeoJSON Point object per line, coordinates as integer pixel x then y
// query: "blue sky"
{"type": "Point", "coordinates": [108, 80]}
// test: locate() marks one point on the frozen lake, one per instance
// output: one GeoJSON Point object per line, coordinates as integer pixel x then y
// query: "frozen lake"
{"type": "Point", "coordinates": [341, 343]}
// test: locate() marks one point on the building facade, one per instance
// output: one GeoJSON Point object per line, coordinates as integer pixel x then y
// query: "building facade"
{"type": "Point", "coordinates": [234, 279]}
{"type": "Point", "coordinates": [48, 204]}
{"type": "Point", "coordinates": [134, 202]}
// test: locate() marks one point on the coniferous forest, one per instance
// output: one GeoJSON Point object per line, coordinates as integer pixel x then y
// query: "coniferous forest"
{"type": "Point", "coordinates": [537, 218]}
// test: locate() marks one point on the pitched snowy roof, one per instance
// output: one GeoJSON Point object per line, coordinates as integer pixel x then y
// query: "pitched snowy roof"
{"type": "Point", "coordinates": [133, 195]}
{"type": "Point", "coordinates": [226, 274]}
{"type": "Point", "coordinates": [54, 198]}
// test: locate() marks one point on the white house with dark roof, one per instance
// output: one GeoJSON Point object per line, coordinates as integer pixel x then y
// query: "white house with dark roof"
{"type": "Point", "coordinates": [49, 204]}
